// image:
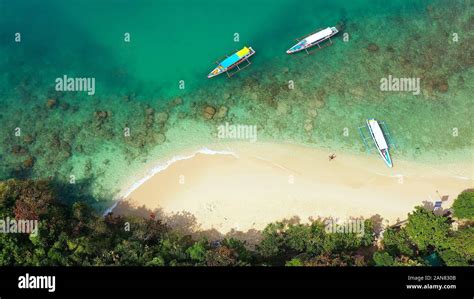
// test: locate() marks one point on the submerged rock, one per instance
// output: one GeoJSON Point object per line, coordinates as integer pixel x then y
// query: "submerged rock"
{"type": "Point", "coordinates": [79, 148]}
{"type": "Point", "coordinates": [150, 117]}
{"type": "Point", "coordinates": [19, 150]}
{"type": "Point", "coordinates": [341, 25]}
{"type": "Point", "coordinates": [317, 103]}
{"type": "Point", "coordinates": [100, 115]}
{"type": "Point", "coordinates": [313, 112]}
{"type": "Point", "coordinates": [208, 112]}
{"type": "Point", "coordinates": [67, 147]}
{"type": "Point", "coordinates": [150, 111]}
{"type": "Point", "coordinates": [55, 141]}
{"type": "Point", "coordinates": [308, 125]}
{"type": "Point", "coordinates": [443, 86]}
{"type": "Point", "coordinates": [160, 138]}
{"type": "Point", "coordinates": [177, 102]}
{"type": "Point", "coordinates": [161, 117]}
{"type": "Point", "coordinates": [88, 166]}
{"type": "Point", "coordinates": [64, 106]}
{"type": "Point", "coordinates": [149, 122]}
{"type": "Point", "coordinates": [283, 108]}
{"type": "Point", "coordinates": [28, 139]}
{"type": "Point", "coordinates": [461, 80]}
{"type": "Point", "coordinates": [373, 47]}
{"type": "Point", "coordinates": [222, 112]}
{"type": "Point", "coordinates": [29, 162]}
{"type": "Point", "coordinates": [50, 103]}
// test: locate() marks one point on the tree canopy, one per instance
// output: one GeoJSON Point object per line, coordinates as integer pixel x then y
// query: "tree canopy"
{"type": "Point", "coordinates": [75, 234]}
{"type": "Point", "coordinates": [464, 205]}
{"type": "Point", "coordinates": [427, 230]}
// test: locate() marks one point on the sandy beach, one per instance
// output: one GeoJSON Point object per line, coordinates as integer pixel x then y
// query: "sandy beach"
{"type": "Point", "coordinates": [262, 182]}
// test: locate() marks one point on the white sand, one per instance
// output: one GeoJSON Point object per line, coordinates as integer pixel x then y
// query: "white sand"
{"type": "Point", "coordinates": [270, 182]}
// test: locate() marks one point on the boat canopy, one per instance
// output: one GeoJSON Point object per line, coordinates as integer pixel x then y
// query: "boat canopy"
{"type": "Point", "coordinates": [234, 57]}
{"type": "Point", "coordinates": [378, 134]}
{"type": "Point", "coordinates": [319, 35]}
{"type": "Point", "coordinates": [243, 52]}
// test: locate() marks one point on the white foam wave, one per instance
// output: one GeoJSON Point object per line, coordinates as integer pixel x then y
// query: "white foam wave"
{"type": "Point", "coordinates": [163, 166]}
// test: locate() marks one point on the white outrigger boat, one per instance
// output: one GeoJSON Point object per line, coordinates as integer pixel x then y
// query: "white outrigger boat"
{"type": "Point", "coordinates": [232, 61]}
{"type": "Point", "coordinates": [379, 140]}
{"type": "Point", "coordinates": [313, 39]}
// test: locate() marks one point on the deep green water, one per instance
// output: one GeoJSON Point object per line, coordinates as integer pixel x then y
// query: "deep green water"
{"type": "Point", "coordinates": [138, 82]}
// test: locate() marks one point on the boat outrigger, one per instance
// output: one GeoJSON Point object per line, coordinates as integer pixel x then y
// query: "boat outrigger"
{"type": "Point", "coordinates": [232, 61]}
{"type": "Point", "coordinates": [380, 137]}
{"type": "Point", "coordinates": [313, 39]}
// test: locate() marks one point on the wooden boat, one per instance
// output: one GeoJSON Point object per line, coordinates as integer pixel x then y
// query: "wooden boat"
{"type": "Point", "coordinates": [379, 140]}
{"type": "Point", "coordinates": [313, 39]}
{"type": "Point", "coordinates": [232, 61]}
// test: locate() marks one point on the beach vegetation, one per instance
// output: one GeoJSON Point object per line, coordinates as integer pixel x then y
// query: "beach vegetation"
{"type": "Point", "coordinates": [461, 243]}
{"type": "Point", "coordinates": [427, 230]}
{"type": "Point", "coordinates": [452, 258]}
{"type": "Point", "coordinates": [296, 262]}
{"type": "Point", "coordinates": [197, 251]}
{"type": "Point", "coordinates": [397, 242]}
{"type": "Point", "coordinates": [74, 234]}
{"type": "Point", "coordinates": [463, 206]}
{"type": "Point", "coordinates": [427, 239]}
{"type": "Point", "coordinates": [383, 259]}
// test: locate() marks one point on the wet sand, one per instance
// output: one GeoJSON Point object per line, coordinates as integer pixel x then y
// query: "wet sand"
{"type": "Point", "coordinates": [265, 182]}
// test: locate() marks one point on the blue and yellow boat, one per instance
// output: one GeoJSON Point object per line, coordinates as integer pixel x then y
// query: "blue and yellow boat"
{"type": "Point", "coordinates": [232, 61]}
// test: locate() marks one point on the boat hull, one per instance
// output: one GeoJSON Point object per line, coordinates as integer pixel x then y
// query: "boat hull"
{"type": "Point", "coordinates": [304, 44]}
{"type": "Point", "coordinates": [385, 154]}
{"type": "Point", "coordinates": [379, 140]}
{"type": "Point", "coordinates": [220, 69]}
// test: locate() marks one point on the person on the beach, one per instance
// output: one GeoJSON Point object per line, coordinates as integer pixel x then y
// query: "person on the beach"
{"type": "Point", "coordinates": [332, 156]}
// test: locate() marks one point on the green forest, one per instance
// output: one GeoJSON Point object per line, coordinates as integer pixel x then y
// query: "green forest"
{"type": "Point", "coordinates": [71, 233]}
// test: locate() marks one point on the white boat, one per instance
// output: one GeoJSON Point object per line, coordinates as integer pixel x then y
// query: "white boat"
{"type": "Point", "coordinates": [379, 139]}
{"type": "Point", "coordinates": [313, 39]}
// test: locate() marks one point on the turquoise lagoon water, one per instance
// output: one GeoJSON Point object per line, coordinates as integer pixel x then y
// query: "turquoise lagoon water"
{"type": "Point", "coordinates": [137, 83]}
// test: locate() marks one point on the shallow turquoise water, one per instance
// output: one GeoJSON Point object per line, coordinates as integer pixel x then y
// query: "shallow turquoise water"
{"type": "Point", "coordinates": [170, 40]}
{"type": "Point", "coordinates": [336, 89]}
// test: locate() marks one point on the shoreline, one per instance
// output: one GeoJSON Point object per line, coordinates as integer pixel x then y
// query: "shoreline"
{"type": "Point", "coordinates": [159, 167]}
{"type": "Point", "coordinates": [212, 198]}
